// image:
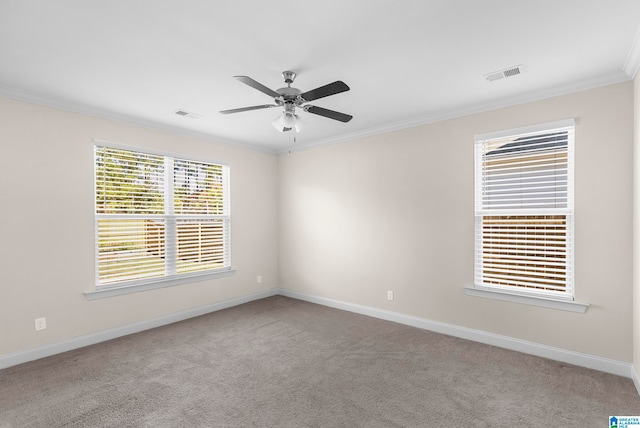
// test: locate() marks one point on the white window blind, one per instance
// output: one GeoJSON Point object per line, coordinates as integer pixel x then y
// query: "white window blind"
{"type": "Point", "coordinates": [201, 215]}
{"type": "Point", "coordinates": [158, 217]}
{"type": "Point", "coordinates": [524, 210]}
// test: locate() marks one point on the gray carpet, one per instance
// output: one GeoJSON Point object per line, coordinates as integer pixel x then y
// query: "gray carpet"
{"type": "Point", "coordinates": [280, 362]}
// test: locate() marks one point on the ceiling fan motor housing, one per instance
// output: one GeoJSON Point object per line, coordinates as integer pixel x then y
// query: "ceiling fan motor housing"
{"type": "Point", "coordinates": [289, 93]}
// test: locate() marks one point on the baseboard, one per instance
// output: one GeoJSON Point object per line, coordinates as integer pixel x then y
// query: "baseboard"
{"type": "Point", "coordinates": [113, 333]}
{"type": "Point", "coordinates": [579, 359]}
{"type": "Point", "coordinates": [636, 379]}
{"type": "Point", "coordinates": [619, 368]}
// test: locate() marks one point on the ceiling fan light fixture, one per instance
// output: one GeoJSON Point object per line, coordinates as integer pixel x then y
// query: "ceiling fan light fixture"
{"type": "Point", "coordinates": [279, 124]}
{"type": "Point", "coordinates": [288, 119]}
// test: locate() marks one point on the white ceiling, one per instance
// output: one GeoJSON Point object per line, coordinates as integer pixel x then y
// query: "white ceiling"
{"type": "Point", "coordinates": [407, 62]}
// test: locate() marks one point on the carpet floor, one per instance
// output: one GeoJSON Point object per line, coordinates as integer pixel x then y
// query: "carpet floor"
{"type": "Point", "coordinates": [280, 362]}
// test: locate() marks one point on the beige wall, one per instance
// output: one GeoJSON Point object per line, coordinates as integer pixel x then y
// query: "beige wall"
{"type": "Point", "coordinates": [47, 234]}
{"type": "Point", "coordinates": [395, 212]}
{"type": "Point", "coordinates": [346, 221]}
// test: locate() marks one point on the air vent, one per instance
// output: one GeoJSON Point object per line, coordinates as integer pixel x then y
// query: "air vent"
{"type": "Point", "coordinates": [188, 114]}
{"type": "Point", "coordinates": [507, 72]}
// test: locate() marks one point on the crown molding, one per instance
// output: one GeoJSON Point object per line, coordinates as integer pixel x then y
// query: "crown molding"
{"type": "Point", "coordinates": [53, 102]}
{"type": "Point", "coordinates": [633, 62]}
{"type": "Point", "coordinates": [617, 77]}
{"type": "Point", "coordinates": [632, 65]}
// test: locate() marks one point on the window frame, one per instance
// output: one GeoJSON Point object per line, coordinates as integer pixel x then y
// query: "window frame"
{"type": "Point", "coordinates": [171, 219]}
{"type": "Point", "coordinates": [555, 299]}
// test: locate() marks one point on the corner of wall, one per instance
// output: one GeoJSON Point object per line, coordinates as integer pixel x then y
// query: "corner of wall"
{"type": "Point", "coordinates": [636, 232]}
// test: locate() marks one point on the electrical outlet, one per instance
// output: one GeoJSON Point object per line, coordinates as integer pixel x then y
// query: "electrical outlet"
{"type": "Point", "coordinates": [259, 279]}
{"type": "Point", "coordinates": [390, 295]}
{"type": "Point", "coordinates": [41, 324]}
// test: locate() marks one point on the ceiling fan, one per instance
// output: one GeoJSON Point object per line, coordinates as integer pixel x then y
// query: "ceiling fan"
{"type": "Point", "coordinates": [289, 98]}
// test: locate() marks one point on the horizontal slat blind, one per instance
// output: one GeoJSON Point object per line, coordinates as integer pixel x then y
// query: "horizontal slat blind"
{"type": "Point", "coordinates": [130, 249]}
{"type": "Point", "coordinates": [524, 212]}
{"type": "Point", "coordinates": [529, 171]}
{"type": "Point", "coordinates": [198, 188]}
{"type": "Point", "coordinates": [527, 251]}
{"type": "Point", "coordinates": [128, 182]}
{"type": "Point", "coordinates": [146, 229]}
{"type": "Point", "coordinates": [202, 244]}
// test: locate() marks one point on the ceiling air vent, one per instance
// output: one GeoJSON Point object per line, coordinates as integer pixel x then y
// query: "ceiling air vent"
{"type": "Point", "coordinates": [507, 72]}
{"type": "Point", "coordinates": [188, 114]}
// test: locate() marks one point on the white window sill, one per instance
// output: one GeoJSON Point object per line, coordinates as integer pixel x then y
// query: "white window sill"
{"type": "Point", "coordinates": [545, 302]}
{"type": "Point", "coordinates": [155, 284]}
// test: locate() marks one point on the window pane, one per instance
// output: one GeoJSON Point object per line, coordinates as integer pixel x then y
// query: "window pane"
{"type": "Point", "coordinates": [130, 249]}
{"type": "Point", "coordinates": [128, 182]}
{"type": "Point", "coordinates": [198, 188]}
{"type": "Point", "coordinates": [525, 251]}
{"type": "Point", "coordinates": [526, 172]}
{"type": "Point", "coordinates": [201, 245]}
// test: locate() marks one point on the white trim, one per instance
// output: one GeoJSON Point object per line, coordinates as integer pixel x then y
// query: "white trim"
{"type": "Point", "coordinates": [542, 301]}
{"type": "Point", "coordinates": [619, 368]}
{"type": "Point", "coordinates": [154, 284]}
{"type": "Point", "coordinates": [560, 279]}
{"type": "Point", "coordinates": [48, 101]}
{"type": "Point", "coordinates": [632, 64]}
{"type": "Point", "coordinates": [635, 378]}
{"type": "Point", "coordinates": [170, 221]}
{"type": "Point", "coordinates": [531, 211]}
{"type": "Point", "coordinates": [594, 362]}
{"type": "Point", "coordinates": [113, 333]}
{"type": "Point", "coordinates": [542, 94]}
{"type": "Point", "coordinates": [59, 103]}
{"type": "Point", "coordinates": [531, 129]}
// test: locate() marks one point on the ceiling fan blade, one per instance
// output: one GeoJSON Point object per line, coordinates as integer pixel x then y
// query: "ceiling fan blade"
{"type": "Point", "coordinates": [331, 114]}
{"type": "Point", "coordinates": [256, 85]}
{"type": "Point", "coordinates": [326, 90]}
{"type": "Point", "coordinates": [238, 110]}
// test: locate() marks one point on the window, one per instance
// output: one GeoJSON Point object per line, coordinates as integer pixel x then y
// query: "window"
{"type": "Point", "coordinates": [524, 211]}
{"type": "Point", "coordinates": [158, 217]}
